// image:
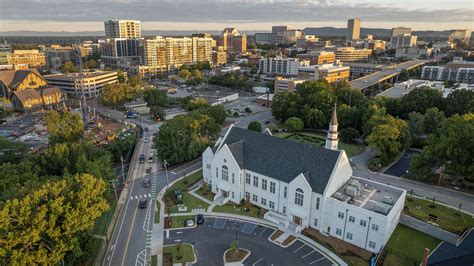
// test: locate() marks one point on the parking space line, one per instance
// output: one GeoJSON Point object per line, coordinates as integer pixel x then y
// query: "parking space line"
{"type": "Point", "coordinates": [317, 260]}
{"type": "Point", "coordinates": [314, 250]}
{"type": "Point", "coordinates": [259, 235]}
{"type": "Point", "coordinates": [299, 248]}
{"type": "Point", "coordinates": [257, 261]}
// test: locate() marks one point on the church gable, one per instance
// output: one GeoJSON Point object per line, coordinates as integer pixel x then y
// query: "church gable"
{"type": "Point", "coordinates": [30, 80]}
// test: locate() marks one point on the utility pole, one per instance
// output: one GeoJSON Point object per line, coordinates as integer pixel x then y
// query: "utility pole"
{"type": "Point", "coordinates": [123, 171]}
{"type": "Point", "coordinates": [115, 190]}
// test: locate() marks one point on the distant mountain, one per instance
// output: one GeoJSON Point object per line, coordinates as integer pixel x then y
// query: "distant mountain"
{"type": "Point", "coordinates": [101, 33]}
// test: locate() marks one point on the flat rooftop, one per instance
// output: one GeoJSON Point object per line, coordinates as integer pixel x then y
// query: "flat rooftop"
{"type": "Point", "coordinates": [368, 195]}
{"type": "Point", "coordinates": [73, 76]}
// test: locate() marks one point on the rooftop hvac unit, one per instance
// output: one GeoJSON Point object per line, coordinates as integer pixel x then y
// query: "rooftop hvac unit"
{"type": "Point", "coordinates": [355, 183]}
{"type": "Point", "coordinates": [388, 200]}
{"type": "Point", "coordinates": [382, 208]}
{"type": "Point", "coordinates": [351, 191]}
{"type": "Point", "coordinates": [339, 196]}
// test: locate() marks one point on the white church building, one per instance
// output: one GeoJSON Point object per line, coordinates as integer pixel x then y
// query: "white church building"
{"type": "Point", "coordinates": [302, 186]}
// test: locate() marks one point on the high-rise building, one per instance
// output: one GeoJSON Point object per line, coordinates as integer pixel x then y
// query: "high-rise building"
{"type": "Point", "coordinates": [463, 35]}
{"type": "Point", "coordinates": [219, 57]}
{"type": "Point", "coordinates": [124, 29]}
{"type": "Point", "coordinates": [278, 29]}
{"type": "Point", "coordinates": [121, 51]}
{"type": "Point", "coordinates": [353, 29]}
{"type": "Point", "coordinates": [33, 58]}
{"type": "Point", "coordinates": [202, 49]}
{"type": "Point", "coordinates": [232, 41]}
{"type": "Point", "coordinates": [400, 31]}
{"type": "Point", "coordinates": [5, 49]}
{"type": "Point", "coordinates": [403, 41]}
{"type": "Point", "coordinates": [279, 65]}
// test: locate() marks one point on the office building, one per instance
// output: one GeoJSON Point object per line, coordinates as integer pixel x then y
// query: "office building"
{"type": "Point", "coordinates": [264, 37]}
{"type": "Point", "coordinates": [90, 84]}
{"type": "Point", "coordinates": [302, 186]}
{"type": "Point", "coordinates": [33, 58]}
{"type": "Point", "coordinates": [462, 35]}
{"type": "Point", "coordinates": [350, 54]}
{"type": "Point", "coordinates": [332, 73]}
{"type": "Point", "coordinates": [279, 66]}
{"type": "Point", "coordinates": [117, 52]}
{"type": "Point", "coordinates": [232, 41]}
{"type": "Point", "coordinates": [307, 42]}
{"type": "Point", "coordinates": [288, 37]}
{"type": "Point", "coordinates": [122, 29]}
{"type": "Point", "coordinates": [403, 41]}
{"type": "Point", "coordinates": [318, 58]}
{"type": "Point", "coordinates": [5, 49]}
{"type": "Point", "coordinates": [400, 31]}
{"type": "Point", "coordinates": [353, 29]}
{"type": "Point", "coordinates": [279, 29]}
{"type": "Point", "coordinates": [219, 57]}
{"type": "Point", "coordinates": [413, 52]}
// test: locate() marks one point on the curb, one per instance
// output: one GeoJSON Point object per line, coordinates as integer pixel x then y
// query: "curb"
{"type": "Point", "coordinates": [236, 262]}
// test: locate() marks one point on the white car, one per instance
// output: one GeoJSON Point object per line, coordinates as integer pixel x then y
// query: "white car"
{"type": "Point", "coordinates": [190, 223]}
{"type": "Point", "coordinates": [152, 153]}
{"type": "Point", "coordinates": [145, 140]}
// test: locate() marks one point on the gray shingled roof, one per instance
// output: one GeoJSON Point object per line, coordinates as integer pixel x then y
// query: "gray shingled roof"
{"type": "Point", "coordinates": [282, 159]}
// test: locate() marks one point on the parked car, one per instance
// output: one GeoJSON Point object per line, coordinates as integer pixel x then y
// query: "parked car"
{"type": "Point", "coordinates": [148, 170]}
{"type": "Point", "coordinates": [200, 219]}
{"type": "Point", "coordinates": [153, 146]}
{"type": "Point", "coordinates": [146, 182]}
{"type": "Point", "coordinates": [145, 140]}
{"type": "Point", "coordinates": [142, 203]}
{"type": "Point", "coordinates": [151, 159]}
{"type": "Point", "coordinates": [146, 129]}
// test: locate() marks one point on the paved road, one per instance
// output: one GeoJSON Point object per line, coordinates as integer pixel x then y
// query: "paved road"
{"type": "Point", "coordinates": [133, 228]}
{"type": "Point", "coordinates": [215, 236]}
{"type": "Point", "coordinates": [402, 167]}
{"type": "Point", "coordinates": [261, 117]}
{"type": "Point", "coordinates": [444, 195]}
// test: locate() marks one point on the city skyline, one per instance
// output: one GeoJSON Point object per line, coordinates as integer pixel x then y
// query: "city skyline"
{"type": "Point", "coordinates": [246, 15]}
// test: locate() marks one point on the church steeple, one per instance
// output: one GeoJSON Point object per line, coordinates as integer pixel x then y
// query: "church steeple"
{"type": "Point", "coordinates": [332, 137]}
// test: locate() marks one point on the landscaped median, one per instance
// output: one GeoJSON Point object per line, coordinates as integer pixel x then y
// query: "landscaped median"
{"type": "Point", "coordinates": [179, 253]}
{"type": "Point", "coordinates": [178, 221]}
{"type": "Point", "coordinates": [238, 209]}
{"type": "Point", "coordinates": [177, 198]}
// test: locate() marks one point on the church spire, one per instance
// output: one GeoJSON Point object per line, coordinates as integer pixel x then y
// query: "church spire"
{"type": "Point", "coordinates": [332, 137]}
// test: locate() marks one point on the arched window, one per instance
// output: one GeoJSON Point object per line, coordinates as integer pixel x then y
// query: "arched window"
{"type": "Point", "coordinates": [225, 173]}
{"type": "Point", "coordinates": [299, 196]}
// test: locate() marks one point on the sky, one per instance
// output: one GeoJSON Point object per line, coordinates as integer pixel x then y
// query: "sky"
{"type": "Point", "coordinates": [88, 15]}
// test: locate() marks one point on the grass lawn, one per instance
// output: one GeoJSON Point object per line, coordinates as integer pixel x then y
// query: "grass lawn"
{"type": "Point", "coordinates": [190, 201]}
{"type": "Point", "coordinates": [209, 195]}
{"type": "Point", "coordinates": [157, 212]}
{"type": "Point", "coordinates": [154, 260]}
{"type": "Point", "coordinates": [449, 218]}
{"type": "Point", "coordinates": [179, 221]}
{"type": "Point", "coordinates": [186, 253]}
{"type": "Point", "coordinates": [410, 243]}
{"type": "Point", "coordinates": [236, 209]}
{"type": "Point", "coordinates": [356, 261]}
{"type": "Point", "coordinates": [102, 223]}
{"type": "Point", "coordinates": [319, 139]}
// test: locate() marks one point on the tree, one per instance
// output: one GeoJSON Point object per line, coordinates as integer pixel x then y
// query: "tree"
{"type": "Point", "coordinates": [217, 112]}
{"type": "Point", "coordinates": [122, 78]}
{"type": "Point", "coordinates": [349, 134]}
{"type": "Point", "coordinates": [65, 127]}
{"type": "Point", "coordinates": [347, 116]}
{"type": "Point", "coordinates": [134, 83]}
{"type": "Point", "coordinates": [459, 102]}
{"type": "Point", "coordinates": [197, 74]}
{"type": "Point", "coordinates": [11, 151]}
{"type": "Point", "coordinates": [255, 126]}
{"type": "Point", "coordinates": [115, 94]}
{"type": "Point", "coordinates": [314, 118]}
{"type": "Point", "coordinates": [451, 147]}
{"type": "Point", "coordinates": [69, 67]}
{"type": "Point", "coordinates": [234, 247]}
{"type": "Point", "coordinates": [433, 118]}
{"type": "Point", "coordinates": [349, 96]}
{"type": "Point", "coordinates": [294, 124]}
{"type": "Point", "coordinates": [18, 179]}
{"type": "Point", "coordinates": [286, 105]}
{"type": "Point", "coordinates": [155, 97]}
{"type": "Point", "coordinates": [197, 103]}
{"type": "Point", "coordinates": [416, 123]}
{"type": "Point", "coordinates": [419, 100]}
{"type": "Point", "coordinates": [91, 63]}
{"type": "Point", "coordinates": [384, 139]}
{"type": "Point", "coordinates": [185, 74]}
{"type": "Point", "coordinates": [47, 223]}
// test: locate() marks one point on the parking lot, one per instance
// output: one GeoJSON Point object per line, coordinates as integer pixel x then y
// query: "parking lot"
{"type": "Point", "coordinates": [212, 238]}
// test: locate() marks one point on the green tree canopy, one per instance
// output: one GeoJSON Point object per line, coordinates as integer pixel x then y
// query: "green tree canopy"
{"type": "Point", "coordinates": [255, 126]}
{"type": "Point", "coordinates": [47, 223]}
{"type": "Point", "coordinates": [69, 67]}
{"type": "Point", "coordinates": [460, 102]}
{"type": "Point", "coordinates": [294, 124]}
{"type": "Point", "coordinates": [11, 151]}
{"type": "Point", "coordinates": [156, 97]}
{"type": "Point", "coordinates": [64, 127]}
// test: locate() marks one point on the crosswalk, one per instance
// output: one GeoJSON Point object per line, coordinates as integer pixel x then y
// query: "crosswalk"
{"type": "Point", "coordinates": [141, 196]}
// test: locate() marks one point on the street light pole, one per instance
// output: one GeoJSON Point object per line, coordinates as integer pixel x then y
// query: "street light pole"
{"type": "Point", "coordinates": [123, 171]}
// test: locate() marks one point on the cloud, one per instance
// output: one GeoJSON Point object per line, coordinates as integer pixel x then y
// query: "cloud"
{"type": "Point", "coordinates": [222, 11]}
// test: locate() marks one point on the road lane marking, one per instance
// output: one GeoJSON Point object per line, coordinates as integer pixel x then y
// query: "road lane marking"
{"type": "Point", "coordinates": [317, 260]}
{"type": "Point", "coordinates": [257, 261]}
{"type": "Point", "coordinates": [262, 232]}
{"type": "Point", "coordinates": [308, 254]}
{"type": "Point", "coordinates": [299, 248]}
{"type": "Point", "coordinates": [130, 233]}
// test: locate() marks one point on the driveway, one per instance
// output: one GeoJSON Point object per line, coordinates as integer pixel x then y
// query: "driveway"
{"type": "Point", "coordinates": [214, 237]}
{"type": "Point", "coordinates": [402, 167]}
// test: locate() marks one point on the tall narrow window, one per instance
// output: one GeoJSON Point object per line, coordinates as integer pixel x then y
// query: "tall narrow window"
{"type": "Point", "coordinates": [247, 178]}
{"type": "Point", "coordinates": [255, 181]}
{"type": "Point", "coordinates": [318, 200]}
{"type": "Point", "coordinates": [264, 184]}
{"type": "Point", "coordinates": [225, 173]}
{"type": "Point", "coordinates": [285, 191]}
{"type": "Point", "coordinates": [299, 196]}
{"type": "Point", "coordinates": [272, 187]}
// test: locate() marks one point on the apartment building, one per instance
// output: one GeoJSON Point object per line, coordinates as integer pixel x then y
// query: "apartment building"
{"type": "Point", "coordinates": [350, 54]}
{"type": "Point", "coordinates": [232, 41]}
{"type": "Point", "coordinates": [122, 29]}
{"type": "Point", "coordinates": [90, 84]}
{"type": "Point", "coordinates": [403, 41]}
{"type": "Point", "coordinates": [219, 57]}
{"type": "Point", "coordinates": [202, 49]}
{"type": "Point", "coordinates": [458, 71]}
{"type": "Point", "coordinates": [282, 84]}
{"type": "Point", "coordinates": [300, 186]}
{"type": "Point", "coordinates": [32, 58]}
{"type": "Point", "coordinates": [279, 66]}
